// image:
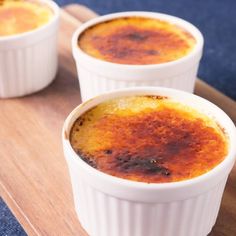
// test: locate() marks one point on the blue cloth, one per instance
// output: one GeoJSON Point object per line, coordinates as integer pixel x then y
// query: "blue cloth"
{"type": "Point", "coordinates": [216, 20]}
{"type": "Point", "coordinates": [8, 223]}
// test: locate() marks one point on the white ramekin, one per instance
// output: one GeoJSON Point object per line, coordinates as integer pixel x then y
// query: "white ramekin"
{"type": "Point", "coordinates": [28, 61]}
{"type": "Point", "coordinates": [111, 206]}
{"type": "Point", "coordinates": [98, 76]}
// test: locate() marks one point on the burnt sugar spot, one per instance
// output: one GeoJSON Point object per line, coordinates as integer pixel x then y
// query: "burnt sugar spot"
{"type": "Point", "coordinates": [121, 53]}
{"type": "Point", "coordinates": [152, 52]}
{"type": "Point", "coordinates": [139, 165]}
{"type": "Point", "coordinates": [89, 160]}
{"type": "Point", "coordinates": [135, 36]}
{"type": "Point", "coordinates": [125, 52]}
{"type": "Point", "coordinates": [131, 33]}
{"type": "Point", "coordinates": [108, 151]}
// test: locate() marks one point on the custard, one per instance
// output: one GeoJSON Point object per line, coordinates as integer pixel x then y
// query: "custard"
{"type": "Point", "coordinates": [149, 139]}
{"type": "Point", "coordinates": [137, 41]}
{"type": "Point", "coordinates": [21, 16]}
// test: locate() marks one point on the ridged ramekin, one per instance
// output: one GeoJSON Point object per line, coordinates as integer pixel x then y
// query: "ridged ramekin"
{"type": "Point", "coordinates": [111, 206]}
{"type": "Point", "coordinates": [28, 61]}
{"type": "Point", "coordinates": [98, 76]}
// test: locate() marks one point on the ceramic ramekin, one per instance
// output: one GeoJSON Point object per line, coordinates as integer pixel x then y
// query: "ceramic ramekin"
{"type": "Point", "coordinates": [98, 76]}
{"type": "Point", "coordinates": [28, 61]}
{"type": "Point", "coordinates": [111, 206]}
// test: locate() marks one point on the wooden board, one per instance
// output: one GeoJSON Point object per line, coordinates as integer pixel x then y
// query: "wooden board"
{"type": "Point", "coordinates": [34, 179]}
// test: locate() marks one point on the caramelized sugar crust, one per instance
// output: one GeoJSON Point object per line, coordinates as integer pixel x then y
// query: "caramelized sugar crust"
{"type": "Point", "coordinates": [136, 40]}
{"type": "Point", "coordinates": [22, 16]}
{"type": "Point", "coordinates": [148, 139]}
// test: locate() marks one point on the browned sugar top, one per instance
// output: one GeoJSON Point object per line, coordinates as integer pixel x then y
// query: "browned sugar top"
{"type": "Point", "coordinates": [148, 139]}
{"type": "Point", "coordinates": [20, 16]}
{"type": "Point", "coordinates": [136, 40]}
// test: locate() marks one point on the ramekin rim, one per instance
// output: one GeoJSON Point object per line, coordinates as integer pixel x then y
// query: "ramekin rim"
{"type": "Point", "coordinates": [151, 186]}
{"type": "Point", "coordinates": [194, 31]}
{"type": "Point", "coordinates": [56, 13]}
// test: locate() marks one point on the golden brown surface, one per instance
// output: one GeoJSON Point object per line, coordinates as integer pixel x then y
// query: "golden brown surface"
{"type": "Point", "coordinates": [36, 211]}
{"type": "Point", "coordinates": [22, 16]}
{"type": "Point", "coordinates": [136, 40]}
{"type": "Point", "coordinates": [148, 139]}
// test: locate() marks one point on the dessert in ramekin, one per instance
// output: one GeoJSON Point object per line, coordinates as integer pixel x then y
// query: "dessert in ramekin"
{"type": "Point", "coordinates": [28, 46]}
{"type": "Point", "coordinates": [139, 194]}
{"type": "Point", "coordinates": [136, 49]}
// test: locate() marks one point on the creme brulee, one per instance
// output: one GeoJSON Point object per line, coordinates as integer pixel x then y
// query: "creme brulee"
{"type": "Point", "coordinates": [136, 40]}
{"type": "Point", "coordinates": [21, 16]}
{"type": "Point", "coordinates": [149, 139]}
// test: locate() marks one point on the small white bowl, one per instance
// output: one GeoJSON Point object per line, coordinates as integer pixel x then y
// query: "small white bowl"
{"type": "Point", "coordinates": [111, 206]}
{"type": "Point", "coordinates": [97, 76]}
{"type": "Point", "coordinates": [28, 61]}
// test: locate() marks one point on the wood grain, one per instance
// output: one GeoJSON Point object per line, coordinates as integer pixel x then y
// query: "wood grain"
{"type": "Point", "coordinates": [34, 179]}
{"type": "Point", "coordinates": [80, 12]}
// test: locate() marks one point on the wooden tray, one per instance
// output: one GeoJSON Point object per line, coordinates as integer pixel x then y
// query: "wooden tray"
{"type": "Point", "coordinates": [34, 179]}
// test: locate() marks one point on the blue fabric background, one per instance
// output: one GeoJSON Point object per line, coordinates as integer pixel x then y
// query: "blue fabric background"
{"type": "Point", "coordinates": [217, 21]}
